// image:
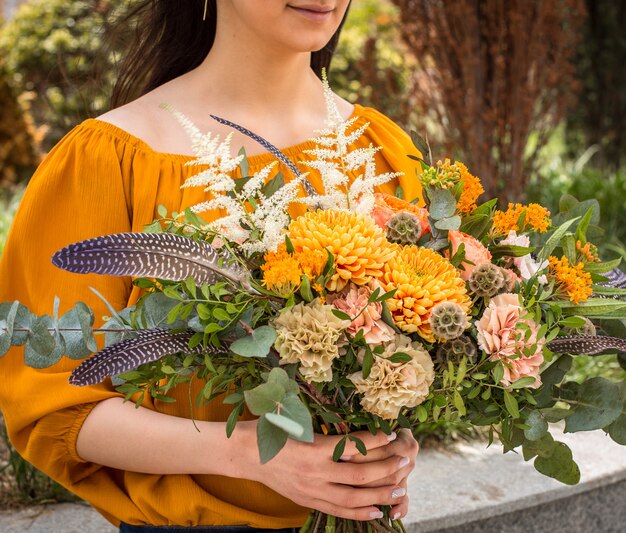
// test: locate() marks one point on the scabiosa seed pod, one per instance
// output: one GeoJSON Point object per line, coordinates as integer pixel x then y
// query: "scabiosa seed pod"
{"type": "Point", "coordinates": [588, 328]}
{"type": "Point", "coordinates": [448, 320]}
{"type": "Point", "coordinates": [404, 228]}
{"type": "Point", "coordinates": [455, 349]}
{"type": "Point", "coordinates": [487, 280]}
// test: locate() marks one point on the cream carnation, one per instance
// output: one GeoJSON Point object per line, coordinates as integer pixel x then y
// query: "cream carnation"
{"type": "Point", "coordinates": [499, 335]}
{"type": "Point", "coordinates": [309, 334]}
{"type": "Point", "coordinates": [392, 386]}
{"type": "Point", "coordinates": [352, 300]}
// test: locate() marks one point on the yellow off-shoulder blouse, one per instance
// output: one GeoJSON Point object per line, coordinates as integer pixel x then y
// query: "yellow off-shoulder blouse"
{"type": "Point", "coordinates": [100, 180]}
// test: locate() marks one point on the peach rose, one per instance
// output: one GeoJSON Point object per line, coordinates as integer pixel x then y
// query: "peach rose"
{"type": "Point", "coordinates": [351, 300]}
{"type": "Point", "coordinates": [386, 205]}
{"type": "Point", "coordinates": [500, 337]}
{"type": "Point", "coordinates": [474, 251]}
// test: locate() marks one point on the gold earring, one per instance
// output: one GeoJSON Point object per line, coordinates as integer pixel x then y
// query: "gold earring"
{"type": "Point", "coordinates": [206, 6]}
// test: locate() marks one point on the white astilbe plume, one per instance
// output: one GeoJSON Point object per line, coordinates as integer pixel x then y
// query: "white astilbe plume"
{"type": "Point", "coordinates": [333, 159]}
{"type": "Point", "coordinates": [254, 221]}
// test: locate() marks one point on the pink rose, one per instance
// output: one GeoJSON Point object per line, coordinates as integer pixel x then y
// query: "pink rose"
{"type": "Point", "coordinates": [351, 300]}
{"type": "Point", "coordinates": [474, 251]}
{"type": "Point", "coordinates": [500, 337]}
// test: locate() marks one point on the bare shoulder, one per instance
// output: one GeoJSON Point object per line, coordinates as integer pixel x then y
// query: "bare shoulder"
{"type": "Point", "coordinates": [345, 108]}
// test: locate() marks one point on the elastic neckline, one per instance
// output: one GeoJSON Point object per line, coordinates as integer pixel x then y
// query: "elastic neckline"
{"type": "Point", "coordinates": [359, 112]}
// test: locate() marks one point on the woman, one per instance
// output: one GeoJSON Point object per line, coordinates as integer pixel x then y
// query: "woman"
{"type": "Point", "coordinates": [149, 466]}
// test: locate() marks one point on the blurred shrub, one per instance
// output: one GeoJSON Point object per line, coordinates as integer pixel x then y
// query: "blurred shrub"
{"type": "Point", "coordinates": [371, 65]}
{"type": "Point", "coordinates": [600, 116]}
{"type": "Point", "coordinates": [53, 48]}
{"type": "Point", "coordinates": [19, 139]}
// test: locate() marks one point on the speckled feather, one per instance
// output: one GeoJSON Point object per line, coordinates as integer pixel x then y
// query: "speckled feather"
{"type": "Point", "coordinates": [154, 255]}
{"type": "Point", "coordinates": [586, 344]}
{"type": "Point", "coordinates": [310, 190]}
{"type": "Point", "coordinates": [147, 346]}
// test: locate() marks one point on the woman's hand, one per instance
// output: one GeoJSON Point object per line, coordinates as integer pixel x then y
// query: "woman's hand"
{"type": "Point", "coordinates": [352, 488]}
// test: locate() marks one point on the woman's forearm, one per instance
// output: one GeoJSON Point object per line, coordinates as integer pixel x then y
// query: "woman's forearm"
{"type": "Point", "coordinates": [119, 435]}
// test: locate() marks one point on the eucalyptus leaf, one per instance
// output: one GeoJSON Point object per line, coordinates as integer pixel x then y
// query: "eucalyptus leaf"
{"type": "Point", "coordinates": [450, 223]}
{"type": "Point", "coordinates": [293, 408]}
{"type": "Point", "coordinates": [538, 426]}
{"type": "Point", "coordinates": [258, 344]}
{"type": "Point", "coordinates": [270, 439]}
{"type": "Point", "coordinates": [286, 424]}
{"type": "Point", "coordinates": [559, 464]}
{"type": "Point", "coordinates": [264, 398]}
{"type": "Point", "coordinates": [598, 404]}
{"type": "Point", "coordinates": [155, 309]}
{"type": "Point", "coordinates": [442, 204]}
{"type": "Point", "coordinates": [279, 376]}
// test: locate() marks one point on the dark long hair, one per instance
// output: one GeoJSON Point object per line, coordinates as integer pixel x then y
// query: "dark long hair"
{"type": "Point", "coordinates": [172, 38]}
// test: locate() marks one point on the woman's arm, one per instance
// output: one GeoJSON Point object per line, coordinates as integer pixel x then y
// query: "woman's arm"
{"type": "Point", "coordinates": [119, 435]}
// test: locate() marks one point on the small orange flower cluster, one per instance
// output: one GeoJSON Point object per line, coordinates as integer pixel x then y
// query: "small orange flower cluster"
{"type": "Point", "coordinates": [571, 279]}
{"type": "Point", "coordinates": [282, 271]}
{"type": "Point", "coordinates": [472, 189]}
{"type": "Point", "coordinates": [532, 216]}
{"type": "Point", "coordinates": [589, 252]}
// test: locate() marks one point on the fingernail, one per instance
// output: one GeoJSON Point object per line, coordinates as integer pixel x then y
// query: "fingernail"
{"type": "Point", "coordinates": [392, 436]}
{"type": "Point", "coordinates": [404, 461]}
{"type": "Point", "coordinates": [376, 514]}
{"type": "Point", "coordinates": [396, 516]}
{"type": "Point", "coordinates": [345, 458]}
{"type": "Point", "coordinates": [398, 493]}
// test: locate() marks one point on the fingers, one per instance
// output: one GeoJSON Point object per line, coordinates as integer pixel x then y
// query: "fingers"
{"type": "Point", "coordinates": [404, 445]}
{"type": "Point", "coordinates": [371, 442]}
{"type": "Point", "coordinates": [401, 507]}
{"type": "Point", "coordinates": [361, 504]}
{"type": "Point", "coordinates": [393, 469]}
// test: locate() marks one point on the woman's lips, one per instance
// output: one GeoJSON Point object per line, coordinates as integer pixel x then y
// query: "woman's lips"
{"type": "Point", "coordinates": [313, 13]}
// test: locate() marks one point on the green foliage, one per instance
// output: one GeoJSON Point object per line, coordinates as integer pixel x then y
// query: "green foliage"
{"type": "Point", "coordinates": [52, 47]}
{"type": "Point", "coordinates": [8, 207]}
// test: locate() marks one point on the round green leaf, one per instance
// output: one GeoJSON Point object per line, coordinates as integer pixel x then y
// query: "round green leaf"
{"type": "Point", "coordinates": [558, 464]}
{"type": "Point", "coordinates": [286, 424]}
{"type": "Point", "coordinates": [538, 426]}
{"type": "Point", "coordinates": [264, 398]}
{"type": "Point", "coordinates": [598, 404]}
{"type": "Point", "coordinates": [258, 344]}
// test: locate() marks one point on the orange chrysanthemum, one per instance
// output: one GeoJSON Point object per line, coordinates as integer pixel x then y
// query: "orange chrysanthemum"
{"type": "Point", "coordinates": [472, 189]}
{"type": "Point", "coordinates": [422, 278]}
{"type": "Point", "coordinates": [571, 279]}
{"type": "Point", "coordinates": [358, 245]}
{"type": "Point", "coordinates": [535, 217]}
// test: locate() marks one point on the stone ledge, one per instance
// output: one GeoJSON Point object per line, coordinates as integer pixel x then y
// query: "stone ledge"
{"type": "Point", "coordinates": [469, 486]}
{"type": "Point", "coordinates": [471, 483]}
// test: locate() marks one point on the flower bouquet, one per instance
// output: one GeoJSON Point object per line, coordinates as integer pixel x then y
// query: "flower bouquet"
{"type": "Point", "coordinates": [368, 311]}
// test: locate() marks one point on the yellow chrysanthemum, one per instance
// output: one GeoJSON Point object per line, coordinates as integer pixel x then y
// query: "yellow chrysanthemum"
{"type": "Point", "coordinates": [535, 217]}
{"type": "Point", "coordinates": [357, 243]}
{"type": "Point", "coordinates": [472, 189]}
{"type": "Point", "coordinates": [281, 272]}
{"type": "Point", "coordinates": [423, 278]}
{"type": "Point", "coordinates": [571, 279]}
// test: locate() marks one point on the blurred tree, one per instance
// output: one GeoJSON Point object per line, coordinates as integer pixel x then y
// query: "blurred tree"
{"type": "Point", "coordinates": [600, 116]}
{"type": "Point", "coordinates": [495, 75]}
{"type": "Point", "coordinates": [53, 48]}
{"type": "Point", "coordinates": [19, 139]}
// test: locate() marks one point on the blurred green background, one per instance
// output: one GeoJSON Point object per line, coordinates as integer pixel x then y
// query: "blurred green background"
{"type": "Point", "coordinates": [530, 94]}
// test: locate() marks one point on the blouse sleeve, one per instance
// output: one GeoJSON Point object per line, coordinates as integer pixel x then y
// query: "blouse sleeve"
{"type": "Point", "coordinates": [396, 147]}
{"type": "Point", "coordinates": [77, 193]}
